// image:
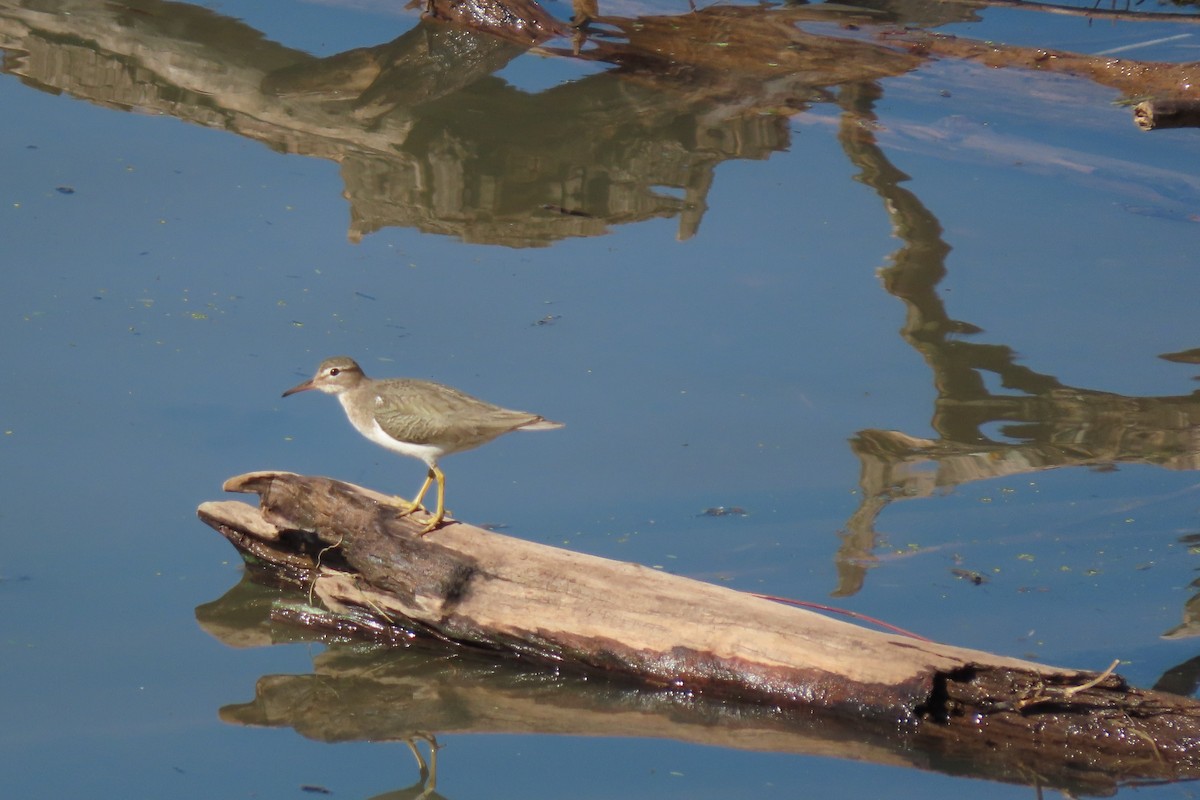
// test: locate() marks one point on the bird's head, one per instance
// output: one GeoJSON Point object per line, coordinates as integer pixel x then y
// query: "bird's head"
{"type": "Point", "coordinates": [334, 376]}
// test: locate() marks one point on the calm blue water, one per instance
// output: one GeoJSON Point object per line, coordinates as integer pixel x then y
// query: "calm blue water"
{"type": "Point", "coordinates": [165, 281]}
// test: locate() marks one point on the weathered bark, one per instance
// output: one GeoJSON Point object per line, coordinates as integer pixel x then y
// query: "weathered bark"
{"type": "Point", "coordinates": [578, 612]}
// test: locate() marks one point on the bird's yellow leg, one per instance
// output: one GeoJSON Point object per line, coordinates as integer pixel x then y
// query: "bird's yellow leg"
{"type": "Point", "coordinates": [406, 506]}
{"type": "Point", "coordinates": [440, 514]}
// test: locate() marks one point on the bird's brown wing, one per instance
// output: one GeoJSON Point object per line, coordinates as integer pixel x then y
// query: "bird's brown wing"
{"type": "Point", "coordinates": [423, 412]}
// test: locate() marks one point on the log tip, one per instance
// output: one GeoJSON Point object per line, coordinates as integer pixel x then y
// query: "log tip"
{"type": "Point", "coordinates": [237, 516]}
{"type": "Point", "coordinates": [253, 482]}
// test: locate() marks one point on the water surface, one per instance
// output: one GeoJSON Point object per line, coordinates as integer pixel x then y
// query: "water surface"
{"type": "Point", "coordinates": [912, 323]}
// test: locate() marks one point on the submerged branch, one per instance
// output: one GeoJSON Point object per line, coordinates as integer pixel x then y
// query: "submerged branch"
{"type": "Point", "coordinates": [1092, 12]}
{"type": "Point", "coordinates": [1132, 78]}
{"type": "Point", "coordinates": [1157, 114]}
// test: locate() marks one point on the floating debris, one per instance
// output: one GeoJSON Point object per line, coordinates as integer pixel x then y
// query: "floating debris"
{"type": "Point", "coordinates": [977, 578]}
{"type": "Point", "coordinates": [724, 511]}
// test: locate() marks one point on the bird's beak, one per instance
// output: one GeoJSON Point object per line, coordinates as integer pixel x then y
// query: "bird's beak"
{"type": "Point", "coordinates": [303, 387]}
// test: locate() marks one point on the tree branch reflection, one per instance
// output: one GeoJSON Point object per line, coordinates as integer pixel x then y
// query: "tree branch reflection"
{"type": "Point", "coordinates": [427, 137]}
{"type": "Point", "coordinates": [1047, 423]}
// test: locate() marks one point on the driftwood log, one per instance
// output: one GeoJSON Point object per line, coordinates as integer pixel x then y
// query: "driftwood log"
{"type": "Point", "coordinates": [572, 612]}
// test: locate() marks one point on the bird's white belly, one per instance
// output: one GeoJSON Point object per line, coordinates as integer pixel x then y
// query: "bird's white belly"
{"type": "Point", "coordinates": [427, 453]}
{"type": "Point", "coordinates": [370, 428]}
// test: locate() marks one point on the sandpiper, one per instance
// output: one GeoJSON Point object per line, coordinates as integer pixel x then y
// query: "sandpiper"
{"type": "Point", "coordinates": [422, 419]}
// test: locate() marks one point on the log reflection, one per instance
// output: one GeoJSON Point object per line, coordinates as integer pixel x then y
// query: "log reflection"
{"type": "Point", "coordinates": [417, 690]}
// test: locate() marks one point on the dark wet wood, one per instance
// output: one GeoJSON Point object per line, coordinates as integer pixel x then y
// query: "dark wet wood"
{"type": "Point", "coordinates": [576, 612]}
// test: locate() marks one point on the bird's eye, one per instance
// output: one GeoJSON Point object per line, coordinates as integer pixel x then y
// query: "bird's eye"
{"type": "Point", "coordinates": [333, 372]}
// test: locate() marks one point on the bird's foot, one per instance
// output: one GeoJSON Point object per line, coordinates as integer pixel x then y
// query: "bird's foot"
{"type": "Point", "coordinates": [434, 523]}
{"type": "Point", "coordinates": [407, 506]}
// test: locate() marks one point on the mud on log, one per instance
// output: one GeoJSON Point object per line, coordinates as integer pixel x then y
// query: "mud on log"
{"type": "Point", "coordinates": [349, 549]}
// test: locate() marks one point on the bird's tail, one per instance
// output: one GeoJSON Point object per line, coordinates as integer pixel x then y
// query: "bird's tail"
{"type": "Point", "coordinates": [541, 424]}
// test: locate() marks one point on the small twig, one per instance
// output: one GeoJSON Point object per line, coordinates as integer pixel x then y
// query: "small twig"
{"type": "Point", "coordinates": [1073, 690]}
{"type": "Point", "coordinates": [317, 566]}
{"type": "Point", "coordinates": [1041, 694]}
{"type": "Point", "coordinates": [379, 610]}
